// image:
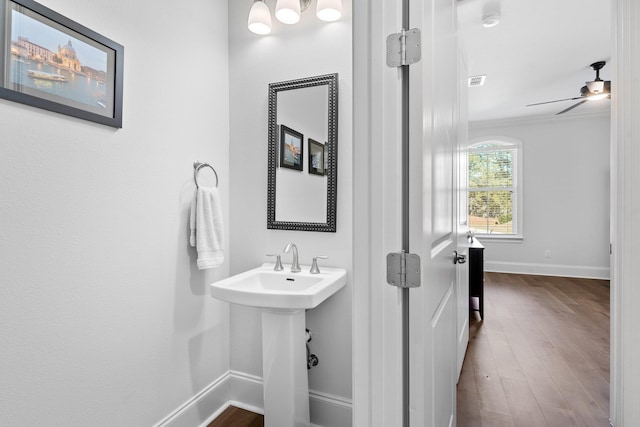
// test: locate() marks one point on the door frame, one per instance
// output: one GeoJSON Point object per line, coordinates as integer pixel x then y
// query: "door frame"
{"type": "Point", "coordinates": [377, 344]}
{"type": "Point", "coordinates": [376, 306]}
{"type": "Point", "coordinates": [625, 215]}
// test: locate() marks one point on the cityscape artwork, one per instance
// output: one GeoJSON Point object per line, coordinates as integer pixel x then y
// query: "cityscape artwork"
{"type": "Point", "coordinates": [51, 65]}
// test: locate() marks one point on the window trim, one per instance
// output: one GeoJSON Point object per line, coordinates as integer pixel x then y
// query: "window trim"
{"type": "Point", "coordinates": [518, 208]}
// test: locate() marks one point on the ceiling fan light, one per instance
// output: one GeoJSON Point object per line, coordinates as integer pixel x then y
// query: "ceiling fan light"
{"type": "Point", "coordinates": [596, 86]}
{"type": "Point", "coordinates": [597, 97]}
{"type": "Point", "coordinates": [259, 21]}
{"type": "Point", "coordinates": [288, 11]}
{"type": "Point", "coordinates": [329, 10]}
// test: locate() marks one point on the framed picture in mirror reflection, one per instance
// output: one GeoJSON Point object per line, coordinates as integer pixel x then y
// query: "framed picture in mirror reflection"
{"type": "Point", "coordinates": [291, 148]}
{"type": "Point", "coordinates": [316, 158]}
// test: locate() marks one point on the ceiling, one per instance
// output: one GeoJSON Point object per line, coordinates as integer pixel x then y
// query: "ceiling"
{"type": "Point", "coordinates": [540, 51]}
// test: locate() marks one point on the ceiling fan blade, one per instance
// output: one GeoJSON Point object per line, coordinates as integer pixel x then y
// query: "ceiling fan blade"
{"type": "Point", "coordinates": [557, 100]}
{"type": "Point", "coordinates": [571, 108]}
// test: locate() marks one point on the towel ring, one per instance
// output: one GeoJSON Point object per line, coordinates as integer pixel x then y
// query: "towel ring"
{"type": "Point", "coordinates": [196, 168]}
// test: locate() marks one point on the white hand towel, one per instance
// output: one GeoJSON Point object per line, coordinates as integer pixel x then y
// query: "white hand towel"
{"type": "Point", "coordinates": [207, 230]}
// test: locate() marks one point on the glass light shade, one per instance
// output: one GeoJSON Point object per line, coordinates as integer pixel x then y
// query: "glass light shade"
{"type": "Point", "coordinates": [288, 11]}
{"type": "Point", "coordinates": [259, 18]}
{"type": "Point", "coordinates": [596, 86]}
{"type": "Point", "coordinates": [329, 10]}
{"type": "Point", "coordinates": [597, 97]}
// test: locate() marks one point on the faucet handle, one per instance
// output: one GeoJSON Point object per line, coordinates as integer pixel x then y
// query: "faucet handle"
{"type": "Point", "coordinates": [314, 264]}
{"type": "Point", "coordinates": [278, 266]}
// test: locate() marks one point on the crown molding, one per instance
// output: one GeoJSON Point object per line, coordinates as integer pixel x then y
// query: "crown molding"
{"type": "Point", "coordinates": [530, 120]}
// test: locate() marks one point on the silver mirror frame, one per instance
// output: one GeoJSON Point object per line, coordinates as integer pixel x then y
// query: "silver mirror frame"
{"type": "Point", "coordinates": [332, 159]}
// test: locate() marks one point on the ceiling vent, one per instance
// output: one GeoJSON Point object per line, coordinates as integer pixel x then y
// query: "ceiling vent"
{"type": "Point", "coordinates": [477, 80]}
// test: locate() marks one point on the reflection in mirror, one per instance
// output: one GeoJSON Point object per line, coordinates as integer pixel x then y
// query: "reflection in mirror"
{"type": "Point", "coordinates": [301, 193]}
{"type": "Point", "coordinates": [302, 180]}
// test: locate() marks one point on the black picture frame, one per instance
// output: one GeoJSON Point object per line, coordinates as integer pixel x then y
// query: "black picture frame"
{"type": "Point", "coordinates": [51, 62]}
{"type": "Point", "coordinates": [316, 165]}
{"type": "Point", "coordinates": [291, 148]}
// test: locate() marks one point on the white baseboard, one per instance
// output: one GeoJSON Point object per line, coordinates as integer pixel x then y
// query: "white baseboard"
{"type": "Point", "coordinates": [245, 391]}
{"type": "Point", "coordinates": [580, 271]}
{"type": "Point", "coordinates": [329, 410]}
{"type": "Point", "coordinates": [202, 408]}
{"type": "Point", "coordinates": [326, 410]}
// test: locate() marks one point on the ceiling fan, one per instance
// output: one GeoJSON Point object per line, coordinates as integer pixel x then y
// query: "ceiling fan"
{"type": "Point", "coordinates": [592, 91]}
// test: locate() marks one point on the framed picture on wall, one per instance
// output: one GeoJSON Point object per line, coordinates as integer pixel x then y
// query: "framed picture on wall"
{"type": "Point", "coordinates": [316, 158]}
{"type": "Point", "coordinates": [51, 62]}
{"type": "Point", "coordinates": [291, 148]}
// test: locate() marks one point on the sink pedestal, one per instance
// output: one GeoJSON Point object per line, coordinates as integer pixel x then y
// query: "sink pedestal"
{"type": "Point", "coordinates": [283, 297]}
{"type": "Point", "coordinates": [284, 368]}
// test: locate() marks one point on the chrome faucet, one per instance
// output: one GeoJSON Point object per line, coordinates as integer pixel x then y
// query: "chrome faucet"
{"type": "Point", "coordinates": [295, 266]}
{"type": "Point", "coordinates": [314, 265]}
{"type": "Point", "coordinates": [278, 266]}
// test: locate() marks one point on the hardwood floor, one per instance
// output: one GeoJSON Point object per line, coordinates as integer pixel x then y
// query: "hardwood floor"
{"type": "Point", "coordinates": [236, 417]}
{"type": "Point", "coordinates": [540, 357]}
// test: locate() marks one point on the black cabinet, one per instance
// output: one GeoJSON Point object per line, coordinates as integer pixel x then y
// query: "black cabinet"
{"type": "Point", "coordinates": [476, 277]}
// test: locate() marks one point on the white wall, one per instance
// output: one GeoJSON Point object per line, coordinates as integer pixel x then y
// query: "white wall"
{"type": "Point", "coordinates": [303, 50]}
{"type": "Point", "coordinates": [566, 196]}
{"type": "Point", "coordinates": [104, 317]}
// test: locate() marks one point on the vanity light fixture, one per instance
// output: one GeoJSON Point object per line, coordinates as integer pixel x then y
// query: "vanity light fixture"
{"type": "Point", "coordinates": [329, 10]}
{"type": "Point", "coordinates": [259, 18]}
{"type": "Point", "coordinates": [288, 12]}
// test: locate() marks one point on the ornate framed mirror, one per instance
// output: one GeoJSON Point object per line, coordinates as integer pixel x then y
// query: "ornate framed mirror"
{"type": "Point", "coordinates": [302, 178]}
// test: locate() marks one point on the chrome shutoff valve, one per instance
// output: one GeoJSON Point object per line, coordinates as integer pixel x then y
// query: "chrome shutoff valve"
{"type": "Point", "coordinates": [312, 359]}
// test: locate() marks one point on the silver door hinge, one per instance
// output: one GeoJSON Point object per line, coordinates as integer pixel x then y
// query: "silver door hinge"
{"type": "Point", "coordinates": [404, 48]}
{"type": "Point", "coordinates": [403, 270]}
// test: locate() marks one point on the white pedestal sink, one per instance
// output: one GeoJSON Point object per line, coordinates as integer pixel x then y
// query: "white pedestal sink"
{"type": "Point", "coordinates": [283, 297]}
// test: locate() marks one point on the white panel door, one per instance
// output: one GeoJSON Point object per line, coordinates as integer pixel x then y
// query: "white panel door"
{"type": "Point", "coordinates": [462, 280]}
{"type": "Point", "coordinates": [433, 219]}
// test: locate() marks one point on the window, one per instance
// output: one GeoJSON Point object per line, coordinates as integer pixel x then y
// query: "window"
{"type": "Point", "coordinates": [494, 196]}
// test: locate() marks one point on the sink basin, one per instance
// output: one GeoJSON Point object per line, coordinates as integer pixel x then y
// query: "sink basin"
{"type": "Point", "coordinates": [265, 288]}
